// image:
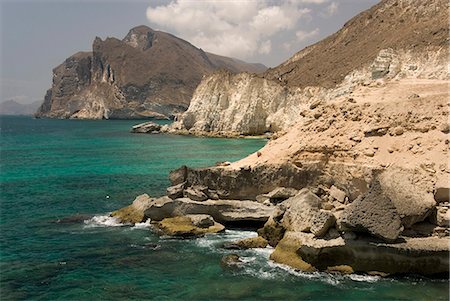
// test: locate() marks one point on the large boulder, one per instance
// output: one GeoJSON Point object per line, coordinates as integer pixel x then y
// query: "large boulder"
{"type": "Point", "coordinates": [300, 211]}
{"type": "Point", "coordinates": [189, 225]}
{"type": "Point", "coordinates": [322, 222]}
{"type": "Point", "coordinates": [277, 195]}
{"type": "Point", "coordinates": [412, 203]}
{"type": "Point", "coordinates": [374, 213]}
{"type": "Point", "coordinates": [176, 191]}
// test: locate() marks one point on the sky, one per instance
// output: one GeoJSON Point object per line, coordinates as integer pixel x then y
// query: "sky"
{"type": "Point", "coordinates": [37, 35]}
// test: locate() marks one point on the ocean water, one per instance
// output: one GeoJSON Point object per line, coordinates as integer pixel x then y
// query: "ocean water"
{"type": "Point", "coordinates": [61, 178]}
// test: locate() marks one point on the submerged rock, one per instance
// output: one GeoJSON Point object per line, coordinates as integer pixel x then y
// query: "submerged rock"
{"type": "Point", "coordinates": [189, 225]}
{"type": "Point", "coordinates": [146, 128]}
{"type": "Point", "coordinates": [231, 261]}
{"type": "Point", "coordinates": [247, 243]}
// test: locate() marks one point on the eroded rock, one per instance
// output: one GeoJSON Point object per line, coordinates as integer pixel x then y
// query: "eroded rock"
{"type": "Point", "coordinates": [189, 225]}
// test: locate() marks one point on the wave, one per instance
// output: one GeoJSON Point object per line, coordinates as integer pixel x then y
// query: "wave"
{"type": "Point", "coordinates": [103, 221]}
{"type": "Point", "coordinates": [144, 225]}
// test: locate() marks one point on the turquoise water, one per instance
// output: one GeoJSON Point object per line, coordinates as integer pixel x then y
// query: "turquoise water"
{"type": "Point", "coordinates": [56, 245]}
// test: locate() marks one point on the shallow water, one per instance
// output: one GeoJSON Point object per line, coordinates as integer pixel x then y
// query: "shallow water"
{"type": "Point", "coordinates": [60, 178]}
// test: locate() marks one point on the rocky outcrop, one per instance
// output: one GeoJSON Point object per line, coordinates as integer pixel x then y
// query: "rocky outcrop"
{"type": "Point", "coordinates": [189, 225]}
{"type": "Point", "coordinates": [134, 213]}
{"type": "Point", "coordinates": [149, 127]}
{"type": "Point", "coordinates": [147, 74]}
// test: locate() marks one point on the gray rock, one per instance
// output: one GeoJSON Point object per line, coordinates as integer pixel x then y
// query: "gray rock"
{"type": "Point", "coordinates": [195, 194]}
{"type": "Point", "coordinates": [300, 211]}
{"type": "Point", "coordinates": [374, 214]}
{"type": "Point", "coordinates": [411, 202]}
{"type": "Point", "coordinates": [201, 220]}
{"type": "Point", "coordinates": [176, 191]}
{"type": "Point", "coordinates": [281, 193]}
{"type": "Point", "coordinates": [231, 261]}
{"type": "Point", "coordinates": [223, 211]}
{"type": "Point", "coordinates": [442, 194]}
{"type": "Point", "coordinates": [441, 216]}
{"type": "Point", "coordinates": [146, 127]}
{"type": "Point", "coordinates": [337, 194]}
{"type": "Point", "coordinates": [322, 221]}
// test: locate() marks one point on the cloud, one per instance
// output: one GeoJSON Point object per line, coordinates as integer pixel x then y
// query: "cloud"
{"type": "Point", "coordinates": [305, 35]}
{"type": "Point", "coordinates": [330, 10]}
{"type": "Point", "coordinates": [233, 28]}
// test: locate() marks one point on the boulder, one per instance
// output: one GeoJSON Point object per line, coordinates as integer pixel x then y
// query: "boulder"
{"type": "Point", "coordinates": [374, 213]}
{"type": "Point", "coordinates": [146, 127]}
{"type": "Point", "coordinates": [442, 191]}
{"type": "Point", "coordinates": [231, 261]}
{"type": "Point", "coordinates": [280, 194]}
{"type": "Point", "coordinates": [176, 191]}
{"type": "Point", "coordinates": [189, 225]}
{"type": "Point", "coordinates": [272, 231]}
{"type": "Point", "coordinates": [247, 243]}
{"type": "Point", "coordinates": [300, 211]}
{"type": "Point", "coordinates": [412, 203]}
{"type": "Point", "coordinates": [323, 220]}
{"type": "Point", "coordinates": [337, 194]}
{"type": "Point", "coordinates": [134, 213]}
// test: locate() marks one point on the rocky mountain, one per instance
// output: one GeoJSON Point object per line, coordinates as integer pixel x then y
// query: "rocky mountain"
{"type": "Point", "coordinates": [394, 39]}
{"type": "Point", "coordinates": [12, 107]}
{"type": "Point", "coordinates": [147, 74]}
{"type": "Point", "coordinates": [356, 179]}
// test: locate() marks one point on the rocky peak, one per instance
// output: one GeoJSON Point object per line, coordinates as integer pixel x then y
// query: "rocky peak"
{"type": "Point", "coordinates": [140, 37]}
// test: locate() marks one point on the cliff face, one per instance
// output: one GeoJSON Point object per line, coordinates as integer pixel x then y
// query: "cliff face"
{"type": "Point", "coordinates": [392, 40]}
{"type": "Point", "coordinates": [147, 74]}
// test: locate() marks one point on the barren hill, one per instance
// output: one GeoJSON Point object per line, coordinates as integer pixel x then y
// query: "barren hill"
{"type": "Point", "coordinates": [147, 74]}
{"type": "Point", "coordinates": [398, 25]}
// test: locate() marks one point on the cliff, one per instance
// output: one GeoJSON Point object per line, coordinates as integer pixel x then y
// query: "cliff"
{"type": "Point", "coordinates": [392, 40]}
{"type": "Point", "coordinates": [357, 178]}
{"type": "Point", "coordinates": [147, 74]}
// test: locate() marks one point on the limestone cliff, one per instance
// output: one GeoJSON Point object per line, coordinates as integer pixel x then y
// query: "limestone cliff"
{"type": "Point", "coordinates": [147, 74]}
{"type": "Point", "coordinates": [392, 40]}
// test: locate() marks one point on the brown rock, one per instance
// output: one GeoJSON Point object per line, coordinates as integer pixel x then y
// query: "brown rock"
{"type": "Point", "coordinates": [323, 220]}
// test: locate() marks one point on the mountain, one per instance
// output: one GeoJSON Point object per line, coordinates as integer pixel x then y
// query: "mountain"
{"type": "Point", "coordinates": [394, 39]}
{"type": "Point", "coordinates": [147, 74]}
{"type": "Point", "coordinates": [12, 107]}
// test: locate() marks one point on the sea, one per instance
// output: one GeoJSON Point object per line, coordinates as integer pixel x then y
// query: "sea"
{"type": "Point", "coordinates": [59, 181]}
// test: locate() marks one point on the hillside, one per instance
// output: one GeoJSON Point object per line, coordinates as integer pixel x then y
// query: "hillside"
{"type": "Point", "coordinates": [390, 41]}
{"type": "Point", "coordinates": [147, 74]}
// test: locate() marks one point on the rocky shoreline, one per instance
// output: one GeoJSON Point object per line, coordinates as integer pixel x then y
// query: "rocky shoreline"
{"type": "Point", "coordinates": [315, 223]}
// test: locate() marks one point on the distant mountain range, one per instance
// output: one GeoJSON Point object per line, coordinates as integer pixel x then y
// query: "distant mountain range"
{"type": "Point", "coordinates": [12, 107]}
{"type": "Point", "coordinates": [147, 74]}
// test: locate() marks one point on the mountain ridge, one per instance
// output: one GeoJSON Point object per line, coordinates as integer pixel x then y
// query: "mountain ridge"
{"type": "Point", "coordinates": [146, 74]}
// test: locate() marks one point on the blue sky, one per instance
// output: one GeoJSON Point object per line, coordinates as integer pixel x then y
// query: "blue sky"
{"type": "Point", "coordinates": [36, 36]}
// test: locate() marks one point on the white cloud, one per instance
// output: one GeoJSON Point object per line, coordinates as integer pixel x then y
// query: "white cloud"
{"type": "Point", "coordinates": [331, 9]}
{"type": "Point", "coordinates": [233, 28]}
{"type": "Point", "coordinates": [305, 35]}
{"type": "Point", "coordinates": [265, 47]}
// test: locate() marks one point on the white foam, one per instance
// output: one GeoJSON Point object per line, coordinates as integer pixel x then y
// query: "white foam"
{"type": "Point", "coordinates": [143, 225]}
{"type": "Point", "coordinates": [364, 278]}
{"type": "Point", "coordinates": [102, 221]}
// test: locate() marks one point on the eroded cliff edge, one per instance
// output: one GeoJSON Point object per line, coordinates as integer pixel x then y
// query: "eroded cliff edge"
{"type": "Point", "coordinates": [147, 74]}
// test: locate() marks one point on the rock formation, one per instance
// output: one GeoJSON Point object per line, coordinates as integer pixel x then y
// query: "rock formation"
{"type": "Point", "coordinates": [360, 180]}
{"type": "Point", "coordinates": [391, 41]}
{"type": "Point", "coordinates": [147, 74]}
